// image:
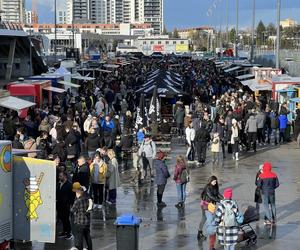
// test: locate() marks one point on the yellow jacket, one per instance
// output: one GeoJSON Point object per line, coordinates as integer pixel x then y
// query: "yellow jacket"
{"type": "Point", "coordinates": [102, 172]}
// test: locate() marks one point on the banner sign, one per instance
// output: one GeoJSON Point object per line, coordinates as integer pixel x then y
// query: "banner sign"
{"type": "Point", "coordinates": [182, 48]}
{"type": "Point", "coordinates": [6, 192]}
{"type": "Point", "coordinates": [34, 199]}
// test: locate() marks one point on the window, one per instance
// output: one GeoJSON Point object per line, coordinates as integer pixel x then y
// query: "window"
{"type": "Point", "coordinates": [159, 42]}
{"type": "Point", "coordinates": [174, 42]}
{"type": "Point", "coordinates": [167, 42]}
{"type": "Point", "coordinates": [151, 42]}
{"type": "Point", "coordinates": [144, 42]}
{"type": "Point", "coordinates": [182, 42]}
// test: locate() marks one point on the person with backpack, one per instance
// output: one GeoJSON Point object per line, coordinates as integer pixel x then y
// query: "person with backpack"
{"type": "Point", "coordinates": [147, 151]}
{"type": "Point", "coordinates": [181, 178]}
{"type": "Point", "coordinates": [161, 177]}
{"type": "Point", "coordinates": [228, 219]}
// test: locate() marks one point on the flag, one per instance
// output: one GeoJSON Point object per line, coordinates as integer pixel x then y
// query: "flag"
{"type": "Point", "coordinates": [154, 109]}
{"type": "Point", "coordinates": [141, 113]}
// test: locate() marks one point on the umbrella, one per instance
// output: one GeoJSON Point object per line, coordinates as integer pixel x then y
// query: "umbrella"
{"type": "Point", "coordinates": [141, 116]}
{"type": "Point", "coordinates": [154, 113]}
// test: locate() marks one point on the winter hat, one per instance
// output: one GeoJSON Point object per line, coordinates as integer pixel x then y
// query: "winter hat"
{"type": "Point", "coordinates": [227, 193]}
{"type": "Point", "coordinates": [234, 121]}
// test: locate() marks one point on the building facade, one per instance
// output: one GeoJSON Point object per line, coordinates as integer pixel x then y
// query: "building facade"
{"type": "Point", "coordinates": [13, 10]}
{"type": "Point", "coordinates": [288, 23]}
{"type": "Point", "coordinates": [162, 44]}
{"type": "Point", "coordinates": [81, 11]}
{"type": "Point", "coordinates": [188, 32]}
{"type": "Point", "coordinates": [31, 17]}
{"type": "Point", "coordinates": [98, 11]}
{"type": "Point", "coordinates": [61, 16]}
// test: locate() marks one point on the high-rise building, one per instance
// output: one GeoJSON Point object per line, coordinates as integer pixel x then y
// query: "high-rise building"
{"type": "Point", "coordinates": [152, 13]}
{"type": "Point", "coordinates": [61, 16]}
{"type": "Point", "coordinates": [31, 17]}
{"type": "Point", "coordinates": [114, 11]}
{"type": "Point", "coordinates": [98, 11]}
{"type": "Point", "coordinates": [81, 11]}
{"type": "Point", "coordinates": [13, 10]}
{"type": "Point", "coordinates": [69, 17]}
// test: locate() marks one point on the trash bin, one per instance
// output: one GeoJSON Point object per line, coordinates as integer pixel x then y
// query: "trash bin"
{"type": "Point", "coordinates": [127, 232]}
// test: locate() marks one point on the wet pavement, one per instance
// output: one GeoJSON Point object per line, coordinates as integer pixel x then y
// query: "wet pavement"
{"type": "Point", "coordinates": [171, 228]}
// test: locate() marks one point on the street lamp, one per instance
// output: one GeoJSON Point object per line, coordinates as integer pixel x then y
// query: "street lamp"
{"type": "Point", "coordinates": [278, 35]}
{"type": "Point", "coordinates": [55, 32]}
{"type": "Point", "coordinates": [253, 31]}
{"type": "Point", "coordinates": [237, 29]}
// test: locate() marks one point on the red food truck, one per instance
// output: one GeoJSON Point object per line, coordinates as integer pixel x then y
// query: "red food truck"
{"type": "Point", "coordinates": [39, 92]}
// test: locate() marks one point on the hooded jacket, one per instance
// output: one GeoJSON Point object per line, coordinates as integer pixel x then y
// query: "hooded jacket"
{"type": "Point", "coordinates": [251, 124]}
{"type": "Point", "coordinates": [267, 180]}
{"type": "Point", "coordinates": [149, 148]}
{"type": "Point", "coordinates": [261, 119]}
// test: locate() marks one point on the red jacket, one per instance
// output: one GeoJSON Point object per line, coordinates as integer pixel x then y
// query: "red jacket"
{"type": "Point", "coordinates": [177, 174]}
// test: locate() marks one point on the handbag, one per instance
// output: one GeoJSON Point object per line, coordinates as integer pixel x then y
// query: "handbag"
{"type": "Point", "coordinates": [257, 195]}
{"type": "Point", "coordinates": [204, 204]}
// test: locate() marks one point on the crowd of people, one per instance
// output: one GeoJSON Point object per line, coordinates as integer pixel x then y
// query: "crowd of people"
{"type": "Point", "coordinates": [89, 135]}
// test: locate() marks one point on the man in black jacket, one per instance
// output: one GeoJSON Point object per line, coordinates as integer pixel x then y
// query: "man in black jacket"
{"type": "Point", "coordinates": [82, 172]}
{"type": "Point", "coordinates": [64, 198]}
{"type": "Point", "coordinates": [201, 139]}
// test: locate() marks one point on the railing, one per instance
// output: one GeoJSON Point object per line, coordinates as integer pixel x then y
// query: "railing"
{"type": "Point", "coordinates": [10, 25]}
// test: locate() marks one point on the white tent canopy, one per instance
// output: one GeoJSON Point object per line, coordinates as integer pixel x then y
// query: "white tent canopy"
{"type": "Point", "coordinates": [256, 86]}
{"type": "Point", "coordinates": [232, 69]}
{"type": "Point", "coordinates": [54, 89]}
{"type": "Point", "coordinates": [15, 103]}
{"type": "Point", "coordinates": [69, 84]}
{"type": "Point", "coordinates": [246, 76]}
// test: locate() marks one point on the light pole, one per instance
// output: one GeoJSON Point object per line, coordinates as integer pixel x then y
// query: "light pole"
{"type": "Point", "coordinates": [278, 35]}
{"type": "Point", "coordinates": [253, 32]}
{"type": "Point", "coordinates": [237, 29]}
{"type": "Point", "coordinates": [55, 32]}
{"type": "Point", "coordinates": [227, 20]}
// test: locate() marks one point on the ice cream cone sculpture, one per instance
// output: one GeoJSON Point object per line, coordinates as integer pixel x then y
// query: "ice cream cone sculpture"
{"type": "Point", "coordinates": [32, 196]}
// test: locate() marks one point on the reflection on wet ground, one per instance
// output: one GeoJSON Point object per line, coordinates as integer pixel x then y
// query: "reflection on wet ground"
{"type": "Point", "coordinates": [172, 228]}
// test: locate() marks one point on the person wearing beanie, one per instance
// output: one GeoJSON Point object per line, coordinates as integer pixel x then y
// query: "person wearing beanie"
{"type": "Point", "coordinates": [228, 219]}
{"type": "Point", "coordinates": [161, 177]}
{"type": "Point", "coordinates": [209, 227]}
{"type": "Point", "coordinates": [268, 182]}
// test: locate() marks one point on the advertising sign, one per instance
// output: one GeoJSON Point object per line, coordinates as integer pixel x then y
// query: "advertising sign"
{"type": "Point", "coordinates": [158, 48]}
{"type": "Point", "coordinates": [6, 192]}
{"type": "Point", "coordinates": [34, 199]}
{"type": "Point", "coordinates": [182, 47]}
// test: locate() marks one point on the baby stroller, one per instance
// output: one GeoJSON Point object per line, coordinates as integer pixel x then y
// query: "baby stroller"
{"type": "Point", "coordinates": [246, 232]}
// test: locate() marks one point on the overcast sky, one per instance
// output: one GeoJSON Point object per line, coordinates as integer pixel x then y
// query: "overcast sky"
{"type": "Point", "coordinates": [191, 13]}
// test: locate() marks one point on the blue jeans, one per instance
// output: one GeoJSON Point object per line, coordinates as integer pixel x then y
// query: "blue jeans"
{"type": "Point", "coordinates": [181, 194]}
{"type": "Point", "coordinates": [230, 247]}
{"type": "Point", "coordinates": [269, 206]}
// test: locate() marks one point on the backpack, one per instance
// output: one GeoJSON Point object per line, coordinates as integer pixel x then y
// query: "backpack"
{"type": "Point", "coordinates": [184, 176]}
{"type": "Point", "coordinates": [229, 218]}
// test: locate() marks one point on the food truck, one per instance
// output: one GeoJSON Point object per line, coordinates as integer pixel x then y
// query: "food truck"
{"type": "Point", "coordinates": [13, 103]}
{"type": "Point", "coordinates": [39, 92]}
{"type": "Point", "coordinates": [27, 198]}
